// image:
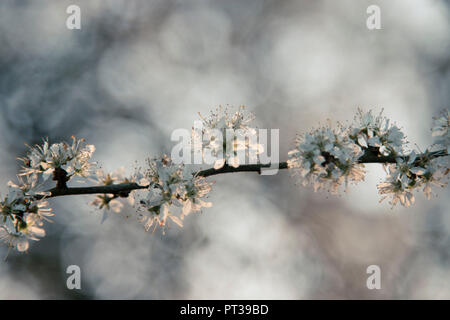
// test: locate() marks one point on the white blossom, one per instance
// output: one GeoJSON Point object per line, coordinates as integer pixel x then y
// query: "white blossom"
{"type": "Point", "coordinates": [111, 202]}
{"type": "Point", "coordinates": [31, 228]}
{"type": "Point", "coordinates": [433, 173]}
{"type": "Point", "coordinates": [377, 134]}
{"type": "Point", "coordinates": [399, 182]}
{"type": "Point", "coordinates": [326, 158]}
{"type": "Point", "coordinates": [74, 159]}
{"type": "Point", "coordinates": [240, 139]}
{"type": "Point", "coordinates": [14, 240]}
{"type": "Point", "coordinates": [40, 212]}
{"type": "Point", "coordinates": [411, 174]}
{"type": "Point", "coordinates": [23, 211]}
{"type": "Point", "coordinates": [173, 193]}
{"type": "Point", "coordinates": [106, 203]}
{"type": "Point", "coordinates": [23, 231]}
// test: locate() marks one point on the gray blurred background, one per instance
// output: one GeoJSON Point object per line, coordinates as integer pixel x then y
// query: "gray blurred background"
{"type": "Point", "coordinates": [139, 69]}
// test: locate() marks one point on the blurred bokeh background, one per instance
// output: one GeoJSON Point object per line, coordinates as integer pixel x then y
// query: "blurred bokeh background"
{"type": "Point", "coordinates": [139, 69]}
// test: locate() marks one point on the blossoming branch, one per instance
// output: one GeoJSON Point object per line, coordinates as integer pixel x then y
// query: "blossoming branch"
{"type": "Point", "coordinates": [327, 158]}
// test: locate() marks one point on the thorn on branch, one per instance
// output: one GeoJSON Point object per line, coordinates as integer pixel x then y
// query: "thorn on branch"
{"type": "Point", "coordinates": [122, 194]}
{"type": "Point", "coordinates": [60, 176]}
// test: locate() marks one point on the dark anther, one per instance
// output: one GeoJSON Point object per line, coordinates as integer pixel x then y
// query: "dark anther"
{"type": "Point", "coordinates": [328, 158]}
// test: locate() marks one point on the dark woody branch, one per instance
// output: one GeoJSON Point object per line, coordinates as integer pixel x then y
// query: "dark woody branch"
{"type": "Point", "coordinates": [123, 189]}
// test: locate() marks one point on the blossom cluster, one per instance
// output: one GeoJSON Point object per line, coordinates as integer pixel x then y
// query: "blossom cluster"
{"type": "Point", "coordinates": [227, 136]}
{"type": "Point", "coordinates": [45, 159]}
{"type": "Point", "coordinates": [174, 192]}
{"type": "Point", "coordinates": [24, 208]}
{"type": "Point", "coordinates": [326, 158]}
{"type": "Point", "coordinates": [410, 173]}
{"type": "Point", "coordinates": [22, 215]}
{"type": "Point", "coordinates": [413, 172]}
{"type": "Point", "coordinates": [376, 134]}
